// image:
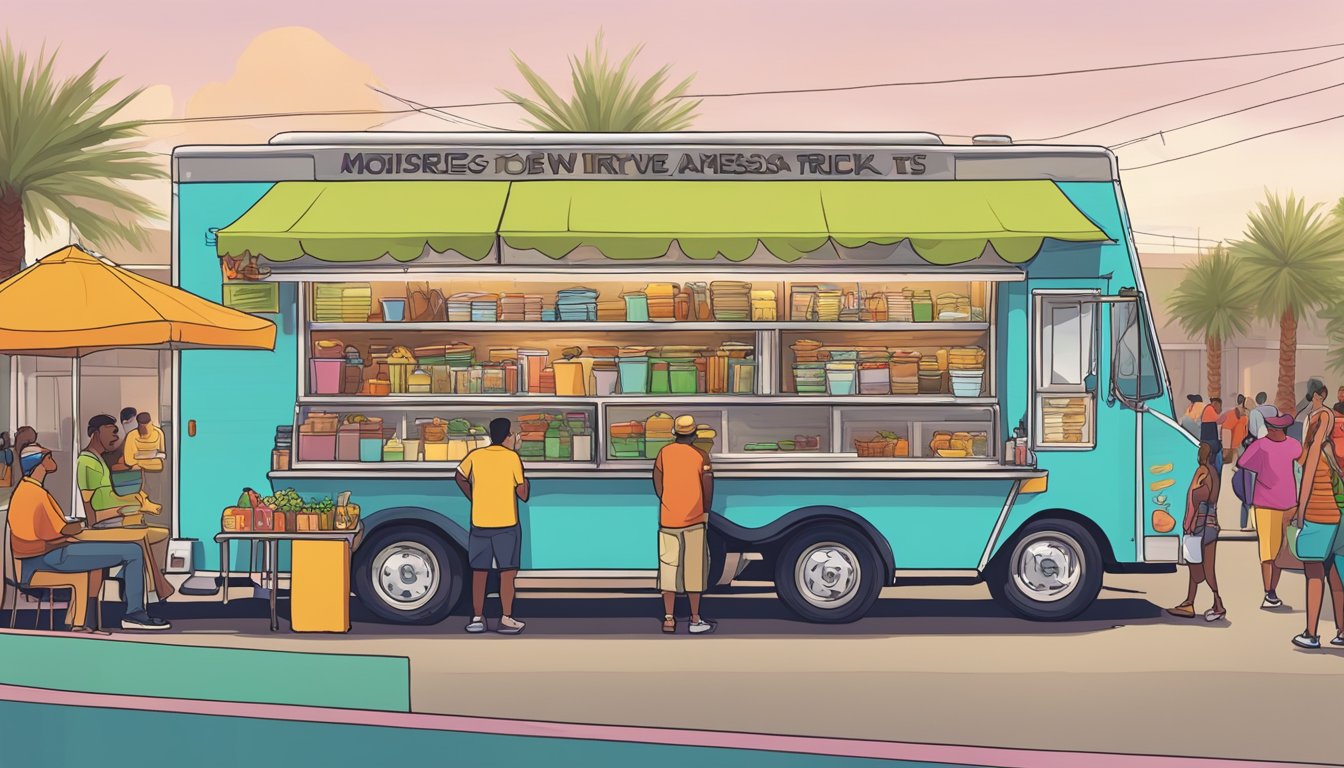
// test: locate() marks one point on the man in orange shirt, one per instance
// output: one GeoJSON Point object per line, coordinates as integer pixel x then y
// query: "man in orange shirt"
{"type": "Point", "coordinates": [43, 540]}
{"type": "Point", "coordinates": [684, 482]}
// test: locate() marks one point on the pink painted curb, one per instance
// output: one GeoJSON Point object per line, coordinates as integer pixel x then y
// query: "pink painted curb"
{"type": "Point", "coordinates": [932, 753]}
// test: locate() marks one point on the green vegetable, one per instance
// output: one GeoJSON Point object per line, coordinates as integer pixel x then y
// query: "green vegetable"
{"type": "Point", "coordinates": [459, 426]}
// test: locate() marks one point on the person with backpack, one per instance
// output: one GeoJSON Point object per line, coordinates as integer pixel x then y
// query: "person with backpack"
{"type": "Point", "coordinates": [1317, 519]}
{"type": "Point", "coordinates": [1265, 477]}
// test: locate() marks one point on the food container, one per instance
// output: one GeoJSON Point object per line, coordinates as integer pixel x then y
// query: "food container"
{"type": "Point", "coordinates": [628, 447]}
{"type": "Point", "coordinates": [459, 446]}
{"type": "Point", "coordinates": [279, 460]}
{"type": "Point", "coordinates": [704, 437]}
{"type": "Point", "coordinates": [236, 519]}
{"type": "Point", "coordinates": [435, 431]}
{"type": "Point", "coordinates": [874, 379]}
{"type": "Point", "coordinates": [840, 377]}
{"type": "Point", "coordinates": [328, 349]}
{"type": "Point", "coordinates": [967, 383]}
{"type": "Point", "coordinates": [634, 375]}
{"type": "Point", "coordinates": [583, 447]}
{"type": "Point", "coordinates": [569, 378]}
{"type": "Point", "coordinates": [660, 382]}
{"type": "Point", "coordinates": [394, 450]}
{"type": "Point", "coordinates": [327, 375]}
{"type": "Point", "coordinates": [682, 378]}
{"type": "Point", "coordinates": [742, 376]}
{"type": "Point", "coordinates": [636, 307]}
{"type": "Point", "coordinates": [436, 451]}
{"type": "Point", "coordinates": [531, 363]}
{"type": "Point", "coordinates": [317, 446]}
{"type": "Point", "coordinates": [347, 443]}
{"type": "Point", "coordinates": [380, 387]}
{"type": "Point", "coordinates": [394, 310]}
{"type": "Point", "coordinates": [419, 382]}
{"type": "Point", "coordinates": [493, 380]}
{"type": "Point", "coordinates": [410, 450]}
{"type": "Point", "coordinates": [605, 381]}
{"type": "Point", "coordinates": [370, 449]}
{"type": "Point", "coordinates": [652, 447]}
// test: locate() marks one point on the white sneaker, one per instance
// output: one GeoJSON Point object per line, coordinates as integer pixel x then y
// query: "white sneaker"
{"type": "Point", "coordinates": [510, 626]}
{"type": "Point", "coordinates": [1271, 602]}
{"type": "Point", "coordinates": [477, 625]}
{"type": "Point", "coordinates": [702, 627]}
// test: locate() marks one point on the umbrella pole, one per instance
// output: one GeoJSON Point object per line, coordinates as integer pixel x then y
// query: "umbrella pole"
{"type": "Point", "coordinates": [76, 504]}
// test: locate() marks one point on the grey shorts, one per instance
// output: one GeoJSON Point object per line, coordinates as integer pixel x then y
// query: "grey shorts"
{"type": "Point", "coordinates": [491, 549]}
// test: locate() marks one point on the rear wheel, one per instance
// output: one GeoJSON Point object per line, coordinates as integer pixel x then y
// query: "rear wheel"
{"type": "Point", "coordinates": [1051, 571]}
{"type": "Point", "coordinates": [408, 575]}
{"type": "Point", "coordinates": [829, 574]}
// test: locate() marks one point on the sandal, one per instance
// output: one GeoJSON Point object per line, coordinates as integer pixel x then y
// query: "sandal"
{"type": "Point", "coordinates": [1215, 615]}
{"type": "Point", "coordinates": [669, 625]}
{"type": "Point", "coordinates": [1183, 611]}
{"type": "Point", "coordinates": [82, 630]}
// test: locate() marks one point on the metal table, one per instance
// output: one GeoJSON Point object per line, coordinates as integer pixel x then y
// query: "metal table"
{"type": "Point", "coordinates": [271, 548]}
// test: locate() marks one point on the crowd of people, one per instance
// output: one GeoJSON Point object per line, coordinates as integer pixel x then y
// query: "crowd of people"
{"type": "Point", "coordinates": [1287, 478]}
{"type": "Point", "coordinates": [76, 551]}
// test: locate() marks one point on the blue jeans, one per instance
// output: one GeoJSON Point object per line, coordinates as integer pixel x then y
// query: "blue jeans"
{"type": "Point", "coordinates": [84, 556]}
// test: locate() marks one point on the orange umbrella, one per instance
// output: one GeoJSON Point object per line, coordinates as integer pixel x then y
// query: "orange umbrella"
{"type": "Point", "coordinates": [72, 303]}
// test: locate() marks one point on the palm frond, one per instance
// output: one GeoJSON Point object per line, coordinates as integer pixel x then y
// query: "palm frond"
{"type": "Point", "coordinates": [1293, 254]}
{"type": "Point", "coordinates": [606, 97]}
{"type": "Point", "coordinates": [1214, 299]}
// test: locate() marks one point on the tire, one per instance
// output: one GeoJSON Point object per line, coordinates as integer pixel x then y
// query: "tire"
{"type": "Point", "coordinates": [718, 556]}
{"type": "Point", "coordinates": [1050, 571]}
{"type": "Point", "coordinates": [840, 564]}
{"type": "Point", "coordinates": [408, 575]}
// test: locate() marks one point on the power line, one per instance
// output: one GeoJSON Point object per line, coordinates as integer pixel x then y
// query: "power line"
{"type": "Point", "coordinates": [1191, 98]}
{"type": "Point", "coordinates": [832, 89]}
{"type": "Point", "coordinates": [1234, 143]}
{"type": "Point", "coordinates": [439, 113]}
{"type": "Point", "coordinates": [1178, 237]}
{"type": "Point", "coordinates": [1226, 114]}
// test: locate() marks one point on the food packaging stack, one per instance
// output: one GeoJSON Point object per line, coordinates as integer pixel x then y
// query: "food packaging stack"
{"type": "Point", "coordinates": [519, 308]}
{"type": "Point", "coordinates": [830, 302]}
{"type": "Point", "coordinates": [662, 301]}
{"type": "Point", "coordinates": [459, 306]}
{"type": "Point", "coordinates": [532, 437]}
{"type": "Point", "coordinates": [922, 306]}
{"type": "Point", "coordinates": [930, 376]}
{"type": "Point", "coordinates": [611, 311]}
{"type": "Point", "coordinates": [701, 309]}
{"type": "Point", "coordinates": [952, 307]}
{"type": "Point", "coordinates": [966, 370]}
{"type": "Point", "coordinates": [1064, 419]}
{"type": "Point", "coordinates": [627, 440]}
{"type": "Point", "coordinates": [904, 369]}
{"type": "Point", "coordinates": [763, 306]}
{"type": "Point", "coordinates": [400, 365]}
{"type": "Point", "coordinates": [576, 305]}
{"type": "Point", "coordinates": [342, 302]}
{"type": "Point", "coordinates": [658, 433]}
{"type": "Point", "coordinates": [803, 303]}
{"type": "Point", "coordinates": [730, 300]}
{"type": "Point", "coordinates": [485, 309]}
{"type": "Point", "coordinates": [900, 308]}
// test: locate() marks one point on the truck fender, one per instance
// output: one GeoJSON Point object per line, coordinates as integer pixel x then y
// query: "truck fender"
{"type": "Point", "coordinates": [420, 515]}
{"type": "Point", "coordinates": [785, 525]}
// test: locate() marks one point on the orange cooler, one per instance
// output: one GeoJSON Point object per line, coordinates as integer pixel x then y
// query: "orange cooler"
{"type": "Point", "coordinates": [319, 596]}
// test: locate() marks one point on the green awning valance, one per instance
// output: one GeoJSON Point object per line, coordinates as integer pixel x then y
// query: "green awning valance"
{"type": "Point", "coordinates": [354, 221]}
{"type": "Point", "coordinates": [947, 222]}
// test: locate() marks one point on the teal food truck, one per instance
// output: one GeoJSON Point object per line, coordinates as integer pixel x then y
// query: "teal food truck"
{"type": "Point", "coordinates": [910, 362]}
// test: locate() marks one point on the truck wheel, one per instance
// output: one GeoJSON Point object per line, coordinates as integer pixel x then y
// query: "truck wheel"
{"type": "Point", "coordinates": [1051, 572]}
{"type": "Point", "coordinates": [408, 575]}
{"type": "Point", "coordinates": [828, 574]}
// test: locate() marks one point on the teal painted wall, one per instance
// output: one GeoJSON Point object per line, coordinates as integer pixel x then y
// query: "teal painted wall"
{"type": "Point", "coordinates": [217, 674]}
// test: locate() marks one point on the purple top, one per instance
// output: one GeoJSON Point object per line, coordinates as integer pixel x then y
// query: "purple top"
{"type": "Point", "coordinates": [1272, 463]}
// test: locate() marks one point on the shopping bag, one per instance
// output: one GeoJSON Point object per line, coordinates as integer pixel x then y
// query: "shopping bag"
{"type": "Point", "coordinates": [1287, 558]}
{"type": "Point", "coordinates": [1290, 541]}
{"type": "Point", "coordinates": [1192, 549]}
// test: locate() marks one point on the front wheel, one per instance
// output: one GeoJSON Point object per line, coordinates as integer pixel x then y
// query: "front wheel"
{"type": "Point", "coordinates": [408, 575]}
{"type": "Point", "coordinates": [1050, 572]}
{"type": "Point", "coordinates": [829, 574]}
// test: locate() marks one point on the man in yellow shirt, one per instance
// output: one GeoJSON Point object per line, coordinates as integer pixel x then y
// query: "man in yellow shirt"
{"type": "Point", "coordinates": [43, 541]}
{"type": "Point", "coordinates": [492, 478]}
{"type": "Point", "coordinates": [143, 446]}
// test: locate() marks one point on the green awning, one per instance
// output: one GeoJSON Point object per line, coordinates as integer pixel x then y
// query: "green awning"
{"type": "Point", "coordinates": [354, 221]}
{"type": "Point", "coordinates": [947, 222]}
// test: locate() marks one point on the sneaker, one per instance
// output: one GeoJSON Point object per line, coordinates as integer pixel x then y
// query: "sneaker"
{"type": "Point", "coordinates": [510, 626]}
{"type": "Point", "coordinates": [143, 621]}
{"type": "Point", "coordinates": [1339, 639]}
{"type": "Point", "coordinates": [1271, 601]}
{"type": "Point", "coordinates": [477, 625]}
{"type": "Point", "coordinates": [1310, 642]}
{"type": "Point", "coordinates": [702, 627]}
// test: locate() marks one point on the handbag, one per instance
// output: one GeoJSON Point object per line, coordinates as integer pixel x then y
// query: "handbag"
{"type": "Point", "coordinates": [1243, 484]}
{"type": "Point", "coordinates": [1192, 548]}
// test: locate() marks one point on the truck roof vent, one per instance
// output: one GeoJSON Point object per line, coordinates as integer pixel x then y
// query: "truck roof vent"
{"type": "Point", "coordinates": [991, 140]}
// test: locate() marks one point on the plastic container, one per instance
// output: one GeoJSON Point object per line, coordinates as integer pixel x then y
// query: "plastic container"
{"type": "Point", "coordinates": [840, 377]}
{"type": "Point", "coordinates": [636, 308]}
{"type": "Point", "coordinates": [327, 376]}
{"type": "Point", "coordinates": [410, 450]}
{"type": "Point", "coordinates": [967, 383]}
{"type": "Point", "coordinates": [317, 447]}
{"type": "Point", "coordinates": [660, 380]}
{"type": "Point", "coordinates": [652, 447]}
{"type": "Point", "coordinates": [682, 378]}
{"type": "Point", "coordinates": [347, 443]}
{"type": "Point", "coordinates": [634, 375]}
{"type": "Point", "coordinates": [569, 378]}
{"type": "Point", "coordinates": [436, 451]}
{"type": "Point", "coordinates": [874, 379]}
{"type": "Point", "coordinates": [583, 447]}
{"type": "Point", "coordinates": [394, 310]}
{"type": "Point", "coordinates": [604, 382]}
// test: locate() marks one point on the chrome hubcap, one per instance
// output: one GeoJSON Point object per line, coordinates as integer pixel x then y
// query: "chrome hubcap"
{"type": "Point", "coordinates": [1047, 567]}
{"type": "Point", "coordinates": [828, 574]}
{"type": "Point", "coordinates": [406, 575]}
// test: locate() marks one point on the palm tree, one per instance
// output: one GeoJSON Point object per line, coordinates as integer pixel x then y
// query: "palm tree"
{"type": "Point", "coordinates": [1214, 301]}
{"type": "Point", "coordinates": [1293, 255]}
{"type": "Point", "coordinates": [60, 149]}
{"type": "Point", "coordinates": [607, 99]}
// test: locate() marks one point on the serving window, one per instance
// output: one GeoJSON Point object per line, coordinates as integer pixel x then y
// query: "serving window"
{"type": "Point", "coordinates": [1066, 370]}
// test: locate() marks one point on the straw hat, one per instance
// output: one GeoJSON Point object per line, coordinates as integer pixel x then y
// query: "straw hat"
{"type": "Point", "coordinates": [684, 425]}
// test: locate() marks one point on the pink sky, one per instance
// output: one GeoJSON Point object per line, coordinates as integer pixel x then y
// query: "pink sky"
{"type": "Point", "coordinates": [455, 52]}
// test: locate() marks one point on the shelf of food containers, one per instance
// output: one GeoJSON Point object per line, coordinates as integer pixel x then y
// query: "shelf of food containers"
{"type": "Point", "coordinates": [847, 364]}
{"type": "Point", "coordinates": [616, 364]}
{"type": "Point", "coordinates": [336, 306]}
{"type": "Point", "coordinates": [822, 432]}
{"type": "Point", "coordinates": [414, 436]}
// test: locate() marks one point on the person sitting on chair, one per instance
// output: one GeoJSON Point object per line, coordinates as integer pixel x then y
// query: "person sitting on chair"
{"type": "Point", "coordinates": [113, 517]}
{"type": "Point", "coordinates": [43, 541]}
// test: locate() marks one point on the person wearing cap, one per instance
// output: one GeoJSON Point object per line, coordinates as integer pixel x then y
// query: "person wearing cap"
{"type": "Point", "coordinates": [43, 540]}
{"type": "Point", "coordinates": [684, 482]}
{"type": "Point", "coordinates": [1273, 495]}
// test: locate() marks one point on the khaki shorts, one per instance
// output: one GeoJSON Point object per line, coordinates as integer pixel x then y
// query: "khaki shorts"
{"type": "Point", "coordinates": [1269, 531]}
{"type": "Point", "coordinates": [683, 559]}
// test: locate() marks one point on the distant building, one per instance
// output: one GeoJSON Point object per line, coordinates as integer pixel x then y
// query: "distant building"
{"type": "Point", "coordinates": [1250, 362]}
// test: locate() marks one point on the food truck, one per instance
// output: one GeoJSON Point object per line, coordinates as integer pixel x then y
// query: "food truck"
{"type": "Point", "coordinates": [909, 362]}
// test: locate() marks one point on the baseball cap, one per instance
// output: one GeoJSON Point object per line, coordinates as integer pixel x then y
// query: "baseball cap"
{"type": "Point", "coordinates": [684, 425]}
{"type": "Point", "coordinates": [31, 457]}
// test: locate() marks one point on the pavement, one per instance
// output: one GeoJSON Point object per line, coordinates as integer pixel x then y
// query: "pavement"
{"type": "Point", "coordinates": [935, 665]}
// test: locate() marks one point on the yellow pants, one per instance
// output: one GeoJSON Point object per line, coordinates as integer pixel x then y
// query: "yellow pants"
{"type": "Point", "coordinates": [683, 559]}
{"type": "Point", "coordinates": [1269, 531]}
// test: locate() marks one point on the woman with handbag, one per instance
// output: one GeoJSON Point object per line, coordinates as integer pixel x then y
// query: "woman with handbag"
{"type": "Point", "coordinates": [1314, 526]}
{"type": "Point", "coordinates": [1200, 541]}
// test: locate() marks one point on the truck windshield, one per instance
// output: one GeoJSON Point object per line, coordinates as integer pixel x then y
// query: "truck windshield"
{"type": "Point", "coordinates": [1134, 375]}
